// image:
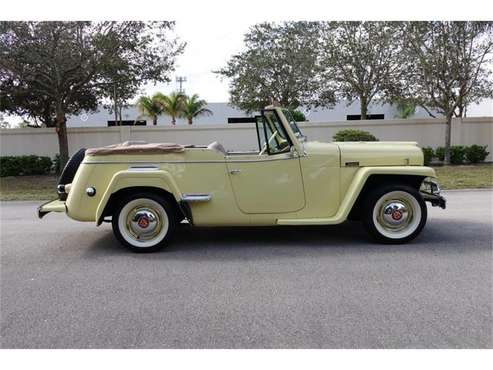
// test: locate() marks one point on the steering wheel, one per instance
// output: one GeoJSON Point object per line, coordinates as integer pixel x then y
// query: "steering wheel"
{"type": "Point", "coordinates": [272, 137]}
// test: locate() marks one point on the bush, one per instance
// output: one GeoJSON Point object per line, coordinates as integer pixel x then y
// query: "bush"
{"type": "Point", "coordinates": [440, 153]}
{"type": "Point", "coordinates": [457, 154]}
{"type": "Point", "coordinates": [428, 155]}
{"type": "Point", "coordinates": [24, 165]}
{"type": "Point", "coordinates": [353, 135]}
{"type": "Point", "coordinates": [476, 153]}
{"type": "Point", "coordinates": [56, 165]}
{"type": "Point", "coordinates": [298, 116]}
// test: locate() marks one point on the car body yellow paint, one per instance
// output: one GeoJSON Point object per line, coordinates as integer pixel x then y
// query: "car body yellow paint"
{"type": "Point", "coordinates": [312, 183]}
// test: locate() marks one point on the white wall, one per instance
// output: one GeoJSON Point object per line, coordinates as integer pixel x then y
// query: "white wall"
{"type": "Point", "coordinates": [427, 132]}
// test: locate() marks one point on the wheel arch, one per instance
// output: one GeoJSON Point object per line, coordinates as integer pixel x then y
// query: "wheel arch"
{"type": "Point", "coordinates": [124, 192]}
{"type": "Point", "coordinates": [377, 180]}
{"type": "Point", "coordinates": [123, 182]}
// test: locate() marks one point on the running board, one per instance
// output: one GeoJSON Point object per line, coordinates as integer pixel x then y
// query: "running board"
{"type": "Point", "coordinates": [310, 221]}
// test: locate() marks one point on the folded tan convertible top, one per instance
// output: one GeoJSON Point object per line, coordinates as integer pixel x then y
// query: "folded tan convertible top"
{"type": "Point", "coordinates": [137, 147]}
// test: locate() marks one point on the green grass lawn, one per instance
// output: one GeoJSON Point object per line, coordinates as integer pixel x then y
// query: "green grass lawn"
{"type": "Point", "coordinates": [465, 177]}
{"type": "Point", "coordinates": [28, 187]}
{"type": "Point", "coordinates": [44, 187]}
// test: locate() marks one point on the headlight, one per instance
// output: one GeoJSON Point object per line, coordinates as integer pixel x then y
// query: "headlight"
{"type": "Point", "coordinates": [430, 185]}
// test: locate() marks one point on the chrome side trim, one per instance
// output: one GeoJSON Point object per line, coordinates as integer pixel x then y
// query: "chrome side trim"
{"type": "Point", "coordinates": [185, 162]}
{"type": "Point", "coordinates": [193, 197]}
{"type": "Point", "coordinates": [143, 167]}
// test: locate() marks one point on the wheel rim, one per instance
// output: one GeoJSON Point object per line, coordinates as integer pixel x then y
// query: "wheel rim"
{"type": "Point", "coordinates": [143, 222]}
{"type": "Point", "coordinates": [397, 214]}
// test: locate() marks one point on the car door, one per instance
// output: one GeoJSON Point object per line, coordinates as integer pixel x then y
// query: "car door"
{"type": "Point", "coordinates": [270, 181]}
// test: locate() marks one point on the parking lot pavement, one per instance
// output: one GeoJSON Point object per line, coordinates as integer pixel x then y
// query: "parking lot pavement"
{"type": "Point", "coordinates": [69, 285]}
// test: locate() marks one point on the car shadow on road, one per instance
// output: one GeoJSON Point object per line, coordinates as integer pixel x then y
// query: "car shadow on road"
{"type": "Point", "coordinates": [240, 243]}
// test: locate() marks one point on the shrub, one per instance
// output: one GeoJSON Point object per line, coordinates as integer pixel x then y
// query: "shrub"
{"type": "Point", "coordinates": [440, 153]}
{"type": "Point", "coordinates": [353, 135]}
{"type": "Point", "coordinates": [56, 165]}
{"type": "Point", "coordinates": [24, 165]}
{"type": "Point", "coordinates": [298, 116]}
{"type": "Point", "coordinates": [457, 154]}
{"type": "Point", "coordinates": [476, 153]}
{"type": "Point", "coordinates": [428, 155]}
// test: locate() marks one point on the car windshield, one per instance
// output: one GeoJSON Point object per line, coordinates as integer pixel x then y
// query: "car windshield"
{"type": "Point", "coordinates": [293, 124]}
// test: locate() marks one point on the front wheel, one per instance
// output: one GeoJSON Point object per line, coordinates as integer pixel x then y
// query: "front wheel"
{"type": "Point", "coordinates": [143, 222]}
{"type": "Point", "coordinates": [394, 214]}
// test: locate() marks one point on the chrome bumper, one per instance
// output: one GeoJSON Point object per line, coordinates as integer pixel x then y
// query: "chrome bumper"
{"type": "Point", "coordinates": [436, 200]}
{"type": "Point", "coordinates": [51, 206]}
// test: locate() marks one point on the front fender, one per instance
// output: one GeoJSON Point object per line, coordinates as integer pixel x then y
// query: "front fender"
{"type": "Point", "coordinates": [354, 190]}
{"type": "Point", "coordinates": [128, 179]}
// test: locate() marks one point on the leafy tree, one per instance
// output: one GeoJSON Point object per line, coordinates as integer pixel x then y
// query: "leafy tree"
{"type": "Point", "coordinates": [68, 66]}
{"type": "Point", "coordinates": [18, 98]}
{"type": "Point", "coordinates": [172, 105]}
{"type": "Point", "coordinates": [3, 123]}
{"type": "Point", "coordinates": [150, 106]}
{"type": "Point", "coordinates": [449, 67]}
{"type": "Point", "coordinates": [278, 65]}
{"type": "Point", "coordinates": [361, 60]}
{"type": "Point", "coordinates": [405, 109]}
{"type": "Point", "coordinates": [193, 107]}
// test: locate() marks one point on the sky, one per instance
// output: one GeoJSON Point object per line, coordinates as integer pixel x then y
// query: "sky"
{"type": "Point", "coordinates": [209, 46]}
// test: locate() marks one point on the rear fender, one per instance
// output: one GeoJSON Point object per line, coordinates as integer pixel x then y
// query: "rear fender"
{"type": "Point", "coordinates": [128, 179]}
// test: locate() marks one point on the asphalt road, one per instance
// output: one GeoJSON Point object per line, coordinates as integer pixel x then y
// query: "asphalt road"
{"type": "Point", "coordinates": [69, 285]}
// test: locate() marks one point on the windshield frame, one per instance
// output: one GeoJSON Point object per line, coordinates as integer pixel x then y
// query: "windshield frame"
{"type": "Point", "coordinates": [293, 125]}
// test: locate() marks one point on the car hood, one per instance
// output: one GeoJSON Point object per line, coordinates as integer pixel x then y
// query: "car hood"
{"type": "Point", "coordinates": [374, 153]}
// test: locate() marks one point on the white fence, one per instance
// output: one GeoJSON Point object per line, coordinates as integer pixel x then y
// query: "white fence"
{"type": "Point", "coordinates": [427, 132]}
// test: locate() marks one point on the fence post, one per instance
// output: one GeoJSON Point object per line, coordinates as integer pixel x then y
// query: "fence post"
{"type": "Point", "coordinates": [456, 131]}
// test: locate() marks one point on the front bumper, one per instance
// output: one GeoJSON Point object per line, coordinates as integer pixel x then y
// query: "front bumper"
{"type": "Point", "coordinates": [430, 191]}
{"type": "Point", "coordinates": [51, 206]}
{"type": "Point", "coordinates": [436, 200]}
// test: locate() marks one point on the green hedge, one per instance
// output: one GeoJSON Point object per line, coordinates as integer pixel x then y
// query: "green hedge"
{"type": "Point", "coordinates": [458, 154]}
{"type": "Point", "coordinates": [353, 135]}
{"type": "Point", "coordinates": [25, 165]}
{"type": "Point", "coordinates": [476, 153]}
{"type": "Point", "coordinates": [428, 155]}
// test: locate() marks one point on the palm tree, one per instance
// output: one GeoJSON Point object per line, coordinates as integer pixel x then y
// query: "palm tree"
{"type": "Point", "coordinates": [193, 107]}
{"type": "Point", "coordinates": [172, 105]}
{"type": "Point", "coordinates": [150, 107]}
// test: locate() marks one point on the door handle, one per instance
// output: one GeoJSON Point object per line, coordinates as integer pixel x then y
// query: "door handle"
{"type": "Point", "coordinates": [234, 172]}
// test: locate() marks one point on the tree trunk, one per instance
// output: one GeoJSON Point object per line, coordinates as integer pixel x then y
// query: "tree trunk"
{"type": "Point", "coordinates": [190, 120]}
{"type": "Point", "coordinates": [61, 130]}
{"type": "Point", "coordinates": [448, 130]}
{"type": "Point", "coordinates": [363, 107]}
{"type": "Point", "coordinates": [173, 120]}
{"type": "Point", "coordinates": [154, 120]}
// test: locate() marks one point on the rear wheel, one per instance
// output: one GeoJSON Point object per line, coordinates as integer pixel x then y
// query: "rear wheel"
{"type": "Point", "coordinates": [143, 222]}
{"type": "Point", "coordinates": [394, 214]}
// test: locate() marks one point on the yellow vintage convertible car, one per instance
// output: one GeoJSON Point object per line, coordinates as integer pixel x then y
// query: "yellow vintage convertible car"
{"type": "Point", "coordinates": [145, 190]}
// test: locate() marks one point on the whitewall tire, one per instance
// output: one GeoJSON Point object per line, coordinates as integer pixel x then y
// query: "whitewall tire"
{"type": "Point", "coordinates": [394, 214]}
{"type": "Point", "coordinates": [143, 222]}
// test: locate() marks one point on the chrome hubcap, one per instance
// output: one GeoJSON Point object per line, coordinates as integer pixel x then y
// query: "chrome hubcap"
{"type": "Point", "coordinates": [144, 223]}
{"type": "Point", "coordinates": [395, 214]}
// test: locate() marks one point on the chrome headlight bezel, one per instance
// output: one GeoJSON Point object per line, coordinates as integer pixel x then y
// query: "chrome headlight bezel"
{"type": "Point", "coordinates": [430, 185]}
